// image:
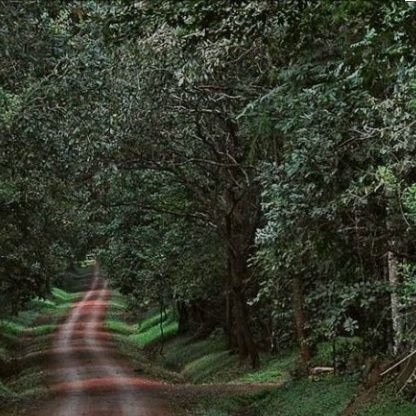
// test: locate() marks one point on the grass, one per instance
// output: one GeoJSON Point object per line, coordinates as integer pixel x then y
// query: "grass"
{"type": "Point", "coordinates": [4, 391]}
{"type": "Point", "coordinates": [119, 327]}
{"type": "Point", "coordinates": [55, 306]}
{"type": "Point", "coordinates": [272, 369]}
{"type": "Point", "coordinates": [154, 334]}
{"type": "Point", "coordinates": [387, 403]}
{"type": "Point", "coordinates": [11, 327]}
{"type": "Point", "coordinates": [203, 368]}
{"type": "Point", "coordinates": [181, 351]}
{"type": "Point", "coordinates": [151, 320]}
{"type": "Point", "coordinates": [116, 316]}
{"type": "Point", "coordinates": [389, 408]}
{"type": "Point", "coordinates": [208, 361]}
{"type": "Point", "coordinates": [198, 361]}
{"type": "Point", "coordinates": [324, 397]}
{"type": "Point", "coordinates": [204, 361]}
{"type": "Point", "coordinates": [43, 329]}
{"type": "Point", "coordinates": [3, 354]}
{"type": "Point", "coordinates": [222, 406]}
{"type": "Point", "coordinates": [143, 334]}
{"type": "Point", "coordinates": [134, 338]}
{"type": "Point", "coordinates": [327, 396]}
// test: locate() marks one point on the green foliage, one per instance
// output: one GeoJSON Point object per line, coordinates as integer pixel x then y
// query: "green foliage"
{"type": "Point", "coordinates": [4, 391]}
{"type": "Point", "coordinates": [152, 319]}
{"type": "Point", "coordinates": [209, 361]}
{"type": "Point", "coordinates": [41, 96]}
{"type": "Point", "coordinates": [211, 155]}
{"type": "Point", "coordinates": [56, 305]}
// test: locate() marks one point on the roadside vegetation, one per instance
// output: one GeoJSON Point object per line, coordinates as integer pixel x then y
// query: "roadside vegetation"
{"type": "Point", "coordinates": [24, 338]}
{"type": "Point", "coordinates": [272, 389]}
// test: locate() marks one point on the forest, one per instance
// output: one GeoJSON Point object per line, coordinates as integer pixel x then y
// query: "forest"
{"type": "Point", "coordinates": [246, 168]}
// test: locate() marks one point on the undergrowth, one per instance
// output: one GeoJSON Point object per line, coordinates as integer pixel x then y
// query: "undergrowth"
{"type": "Point", "coordinates": [207, 361]}
{"type": "Point", "coordinates": [324, 397]}
{"type": "Point", "coordinates": [387, 403]}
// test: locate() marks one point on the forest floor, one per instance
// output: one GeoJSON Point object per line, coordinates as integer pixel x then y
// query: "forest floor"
{"type": "Point", "coordinates": [85, 355]}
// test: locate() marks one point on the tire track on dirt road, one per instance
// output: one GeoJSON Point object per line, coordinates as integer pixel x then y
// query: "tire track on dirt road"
{"type": "Point", "coordinates": [87, 375]}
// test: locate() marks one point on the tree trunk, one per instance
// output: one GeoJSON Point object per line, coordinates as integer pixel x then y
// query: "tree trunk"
{"type": "Point", "coordinates": [300, 321]}
{"type": "Point", "coordinates": [237, 278]}
{"type": "Point", "coordinates": [392, 213]}
{"type": "Point", "coordinates": [239, 218]}
{"type": "Point", "coordinates": [245, 341]}
{"type": "Point", "coordinates": [394, 302]}
{"type": "Point", "coordinates": [183, 318]}
{"type": "Point", "coordinates": [229, 317]}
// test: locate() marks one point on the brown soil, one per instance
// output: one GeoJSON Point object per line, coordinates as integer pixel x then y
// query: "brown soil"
{"type": "Point", "coordinates": [86, 374]}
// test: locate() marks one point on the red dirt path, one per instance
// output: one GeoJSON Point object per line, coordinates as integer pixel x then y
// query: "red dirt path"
{"type": "Point", "coordinates": [87, 376]}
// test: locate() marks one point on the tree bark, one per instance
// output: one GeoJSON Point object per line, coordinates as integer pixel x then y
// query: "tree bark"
{"type": "Point", "coordinates": [229, 315]}
{"type": "Point", "coordinates": [396, 320]}
{"type": "Point", "coordinates": [238, 253]}
{"type": "Point", "coordinates": [239, 216]}
{"type": "Point", "coordinates": [300, 322]}
{"type": "Point", "coordinates": [392, 213]}
{"type": "Point", "coordinates": [245, 342]}
{"type": "Point", "coordinates": [183, 318]}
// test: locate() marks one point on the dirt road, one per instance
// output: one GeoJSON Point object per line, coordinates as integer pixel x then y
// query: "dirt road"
{"type": "Point", "coordinates": [87, 376]}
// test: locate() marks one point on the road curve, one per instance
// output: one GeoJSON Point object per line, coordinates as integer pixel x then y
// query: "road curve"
{"type": "Point", "coordinates": [87, 376]}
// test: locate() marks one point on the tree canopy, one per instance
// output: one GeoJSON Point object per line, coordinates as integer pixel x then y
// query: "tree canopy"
{"type": "Point", "coordinates": [250, 163]}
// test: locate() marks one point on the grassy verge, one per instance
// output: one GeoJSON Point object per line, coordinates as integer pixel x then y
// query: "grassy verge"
{"type": "Point", "coordinates": [21, 379]}
{"type": "Point", "coordinates": [140, 341]}
{"type": "Point", "coordinates": [387, 403]}
{"type": "Point", "coordinates": [202, 361]}
{"type": "Point", "coordinates": [209, 362]}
